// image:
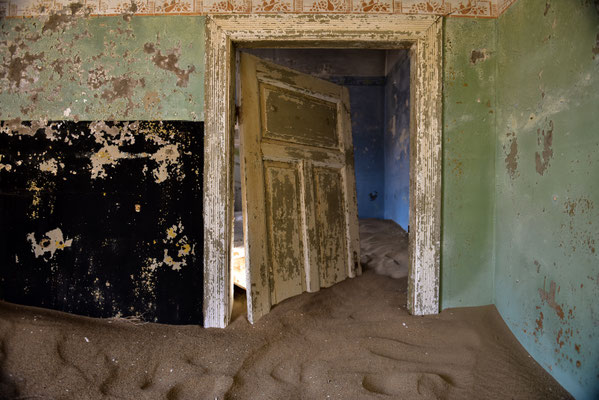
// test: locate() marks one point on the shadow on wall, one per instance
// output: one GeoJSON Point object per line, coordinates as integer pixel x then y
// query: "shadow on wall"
{"type": "Point", "coordinates": [397, 138]}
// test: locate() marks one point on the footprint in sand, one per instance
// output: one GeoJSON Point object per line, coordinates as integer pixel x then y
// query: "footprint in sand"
{"type": "Point", "coordinates": [409, 384]}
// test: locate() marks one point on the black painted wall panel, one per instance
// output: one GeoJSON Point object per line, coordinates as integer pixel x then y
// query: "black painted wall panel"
{"type": "Point", "coordinates": [126, 198]}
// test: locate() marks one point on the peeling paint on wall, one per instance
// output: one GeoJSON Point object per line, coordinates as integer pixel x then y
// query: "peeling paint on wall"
{"type": "Point", "coordinates": [511, 157]}
{"type": "Point", "coordinates": [170, 62]}
{"type": "Point", "coordinates": [545, 139]}
{"type": "Point", "coordinates": [477, 56]}
{"type": "Point", "coordinates": [75, 67]}
{"type": "Point", "coordinates": [177, 243]}
{"type": "Point", "coordinates": [103, 218]}
{"type": "Point", "coordinates": [114, 140]}
{"type": "Point", "coordinates": [546, 231]}
{"type": "Point", "coordinates": [50, 242]}
{"type": "Point", "coordinates": [51, 166]}
{"type": "Point", "coordinates": [167, 157]}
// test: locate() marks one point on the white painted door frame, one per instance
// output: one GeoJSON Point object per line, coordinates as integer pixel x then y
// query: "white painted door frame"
{"type": "Point", "coordinates": [422, 35]}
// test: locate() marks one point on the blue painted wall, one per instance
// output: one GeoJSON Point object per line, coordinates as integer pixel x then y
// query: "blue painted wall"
{"type": "Point", "coordinates": [367, 111]}
{"type": "Point", "coordinates": [397, 141]}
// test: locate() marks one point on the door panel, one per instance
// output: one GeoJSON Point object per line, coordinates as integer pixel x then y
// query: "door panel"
{"type": "Point", "coordinates": [298, 184]}
{"type": "Point", "coordinates": [329, 210]}
{"type": "Point", "coordinates": [284, 227]}
{"type": "Point", "coordinates": [284, 114]}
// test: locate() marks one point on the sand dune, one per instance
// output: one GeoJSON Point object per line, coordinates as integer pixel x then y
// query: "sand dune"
{"type": "Point", "coordinates": [352, 341]}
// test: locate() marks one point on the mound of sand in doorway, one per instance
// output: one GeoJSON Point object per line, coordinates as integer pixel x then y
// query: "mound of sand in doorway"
{"type": "Point", "coordinates": [354, 340]}
{"type": "Point", "coordinates": [384, 247]}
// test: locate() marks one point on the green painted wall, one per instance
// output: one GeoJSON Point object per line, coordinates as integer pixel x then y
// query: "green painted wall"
{"type": "Point", "coordinates": [102, 68]}
{"type": "Point", "coordinates": [520, 147]}
{"type": "Point", "coordinates": [547, 197]}
{"type": "Point", "coordinates": [468, 163]}
{"type": "Point", "coordinates": [152, 68]}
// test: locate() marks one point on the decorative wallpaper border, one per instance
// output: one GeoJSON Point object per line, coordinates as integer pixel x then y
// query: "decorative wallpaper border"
{"type": "Point", "coordinates": [458, 8]}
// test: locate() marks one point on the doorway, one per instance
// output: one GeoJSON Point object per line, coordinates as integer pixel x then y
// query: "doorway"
{"type": "Point", "coordinates": [377, 82]}
{"type": "Point", "coordinates": [421, 36]}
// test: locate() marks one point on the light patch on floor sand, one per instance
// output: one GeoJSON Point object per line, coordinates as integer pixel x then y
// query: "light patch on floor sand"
{"type": "Point", "coordinates": [51, 242]}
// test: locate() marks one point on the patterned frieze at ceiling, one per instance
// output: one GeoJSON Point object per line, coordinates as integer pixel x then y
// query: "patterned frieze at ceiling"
{"type": "Point", "coordinates": [461, 8]}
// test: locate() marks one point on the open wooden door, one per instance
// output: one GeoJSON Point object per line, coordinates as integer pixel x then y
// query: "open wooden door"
{"type": "Point", "coordinates": [298, 184]}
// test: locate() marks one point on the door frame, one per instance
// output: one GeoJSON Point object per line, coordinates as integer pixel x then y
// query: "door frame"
{"type": "Point", "coordinates": [422, 35]}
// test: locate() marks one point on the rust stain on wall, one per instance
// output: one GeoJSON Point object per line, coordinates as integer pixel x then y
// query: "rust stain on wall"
{"type": "Point", "coordinates": [544, 138]}
{"type": "Point", "coordinates": [560, 342]}
{"type": "Point", "coordinates": [580, 230]}
{"type": "Point", "coordinates": [583, 205]}
{"type": "Point", "coordinates": [549, 298]}
{"type": "Point", "coordinates": [539, 325]}
{"type": "Point", "coordinates": [457, 167]}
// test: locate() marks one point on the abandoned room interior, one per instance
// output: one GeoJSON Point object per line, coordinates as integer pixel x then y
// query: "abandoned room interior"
{"type": "Point", "coordinates": [276, 199]}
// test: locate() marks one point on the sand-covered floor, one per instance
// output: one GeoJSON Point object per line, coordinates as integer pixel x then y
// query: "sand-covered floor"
{"type": "Point", "coordinates": [384, 247]}
{"type": "Point", "coordinates": [352, 341]}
